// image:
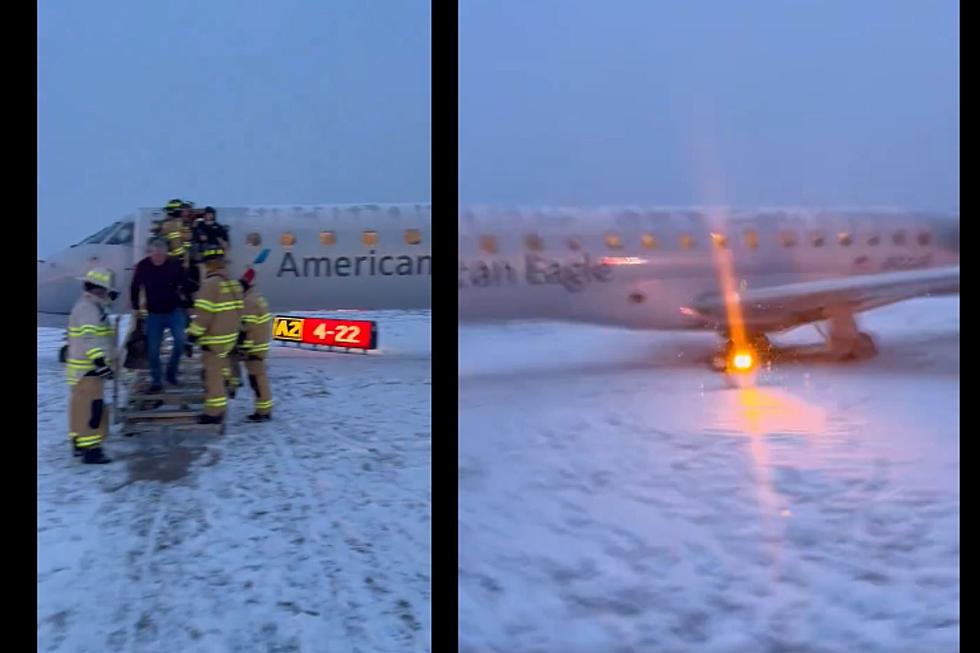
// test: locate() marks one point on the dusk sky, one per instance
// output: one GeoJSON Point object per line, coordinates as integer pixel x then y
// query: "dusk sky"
{"type": "Point", "coordinates": [813, 103]}
{"type": "Point", "coordinates": [228, 102]}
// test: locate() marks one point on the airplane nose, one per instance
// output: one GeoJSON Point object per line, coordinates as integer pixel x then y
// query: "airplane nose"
{"type": "Point", "coordinates": [56, 289]}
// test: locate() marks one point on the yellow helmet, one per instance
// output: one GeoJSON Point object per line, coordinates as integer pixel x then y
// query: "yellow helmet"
{"type": "Point", "coordinates": [101, 277]}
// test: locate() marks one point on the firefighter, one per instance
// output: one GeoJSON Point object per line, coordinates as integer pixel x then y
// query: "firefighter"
{"type": "Point", "coordinates": [254, 347]}
{"type": "Point", "coordinates": [215, 326]}
{"type": "Point", "coordinates": [171, 230]}
{"type": "Point", "coordinates": [187, 229]}
{"type": "Point", "coordinates": [91, 345]}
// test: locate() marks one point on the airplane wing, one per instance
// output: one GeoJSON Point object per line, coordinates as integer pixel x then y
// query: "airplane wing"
{"type": "Point", "coordinates": [781, 307]}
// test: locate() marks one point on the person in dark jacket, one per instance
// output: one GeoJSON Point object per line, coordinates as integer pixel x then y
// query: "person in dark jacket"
{"type": "Point", "coordinates": [208, 233]}
{"type": "Point", "coordinates": [165, 295]}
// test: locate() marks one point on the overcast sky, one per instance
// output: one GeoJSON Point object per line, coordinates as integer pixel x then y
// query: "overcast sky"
{"type": "Point", "coordinates": [228, 102]}
{"type": "Point", "coordinates": [827, 103]}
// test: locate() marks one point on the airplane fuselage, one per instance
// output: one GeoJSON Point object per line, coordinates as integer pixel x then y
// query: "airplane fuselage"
{"type": "Point", "coordinates": [306, 257]}
{"type": "Point", "coordinates": [643, 268]}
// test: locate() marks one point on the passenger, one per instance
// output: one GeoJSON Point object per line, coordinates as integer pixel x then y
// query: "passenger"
{"type": "Point", "coordinates": [208, 233]}
{"type": "Point", "coordinates": [164, 284]}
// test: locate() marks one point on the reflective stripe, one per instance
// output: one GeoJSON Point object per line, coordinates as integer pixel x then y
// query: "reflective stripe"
{"type": "Point", "coordinates": [195, 329]}
{"type": "Point", "coordinates": [264, 404]}
{"type": "Point", "coordinates": [216, 402]}
{"type": "Point", "coordinates": [219, 340]}
{"type": "Point", "coordinates": [219, 307]}
{"type": "Point", "coordinates": [86, 441]}
{"type": "Point", "coordinates": [256, 319]}
{"type": "Point", "coordinates": [90, 330]}
{"type": "Point", "coordinates": [262, 347]}
{"type": "Point", "coordinates": [71, 435]}
{"type": "Point", "coordinates": [95, 353]}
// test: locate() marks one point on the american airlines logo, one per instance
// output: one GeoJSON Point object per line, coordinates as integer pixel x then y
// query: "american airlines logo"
{"type": "Point", "coordinates": [355, 266]}
{"type": "Point", "coordinates": [573, 276]}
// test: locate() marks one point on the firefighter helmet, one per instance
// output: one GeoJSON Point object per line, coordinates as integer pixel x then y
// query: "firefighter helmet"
{"type": "Point", "coordinates": [101, 277]}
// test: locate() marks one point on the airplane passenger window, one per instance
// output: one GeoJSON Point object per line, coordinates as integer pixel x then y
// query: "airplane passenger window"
{"type": "Point", "coordinates": [574, 245]}
{"type": "Point", "coordinates": [787, 238]}
{"type": "Point", "coordinates": [124, 235]}
{"type": "Point", "coordinates": [845, 239]}
{"type": "Point", "coordinates": [751, 239]}
{"type": "Point", "coordinates": [687, 241]}
{"type": "Point", "coordinates": [287, 239]}
{"type": "Point", "coordinates": [649, 241]}
{"type": "Point", "coordinates": [413, 236]}
{"type": "Point", "coordinates": [899, 238]}
{"type": "Point", "coordinates": [533, 242]}
{"type": "Point", "coordinates": [370, 238]}
{"type": "Point", "coordinates": [328, 238]}
{"type": "Point", "coordinates": [924, 238]}
{"type": "Point", "coordinates": [720, 240]}
{"type": "Point", "coordinates": [99, 236]}
{"type": "Point", "coordinates": [613, 241]}
{"type": "Point", "coordinates": [873, 241]}
{"type": "Point", "coordinates": [488, 244]}
{"type": "Point", "coordinates": [253, 239]}
{"type": "Point", "coordinates": [817, 240]}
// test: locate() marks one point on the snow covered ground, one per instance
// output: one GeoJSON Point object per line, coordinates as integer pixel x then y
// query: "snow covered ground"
{"type": "Point", "coordinates": [615, 495]}
{"type": "Point", "coordinates": [310, 533]}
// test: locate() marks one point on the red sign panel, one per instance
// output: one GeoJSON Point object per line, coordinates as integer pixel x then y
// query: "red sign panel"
{"type": "Point", "coordinates": [350, 334]}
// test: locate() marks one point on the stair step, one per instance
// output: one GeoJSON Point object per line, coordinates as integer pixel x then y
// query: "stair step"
{"type": "Point", "coordinates": [161, 414]}
{"type": "Point", "coordinates": [184, 395]}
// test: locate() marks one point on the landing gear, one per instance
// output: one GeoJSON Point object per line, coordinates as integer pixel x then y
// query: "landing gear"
{"type": "Point", "coordinates": [844, 340]}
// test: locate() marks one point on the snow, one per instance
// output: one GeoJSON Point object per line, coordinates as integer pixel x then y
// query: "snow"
{"type": "Point", "coordinates": [309, 533]}
{"type": "Point", "coordinates": [616, 495]}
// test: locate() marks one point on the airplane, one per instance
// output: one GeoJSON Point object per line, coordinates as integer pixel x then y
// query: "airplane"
{"type": "Point", "coordinates": [744, 274]}
{"type": "Point", "coordinates": [352, 256]}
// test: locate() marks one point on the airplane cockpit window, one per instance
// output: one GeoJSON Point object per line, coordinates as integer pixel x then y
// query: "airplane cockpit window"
{"type": "Point", "coordinates": [122, 236]}
{"type": "Point", "coordinates": [98, 237]}
{"type": "Point", "coordinates": [253, 239]}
